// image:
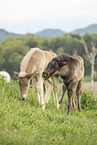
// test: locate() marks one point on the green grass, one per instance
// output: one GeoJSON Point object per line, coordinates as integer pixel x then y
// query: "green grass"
{"type": "Point", "coordinates": [88, 78]}
{"type": "Point", "coordinates": [25, 123]}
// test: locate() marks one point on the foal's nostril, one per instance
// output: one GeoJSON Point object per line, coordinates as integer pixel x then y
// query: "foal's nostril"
{"type": "Point", "coordinates": [45, 74]}
{"type": "Point", "coordinates": [23, 99]}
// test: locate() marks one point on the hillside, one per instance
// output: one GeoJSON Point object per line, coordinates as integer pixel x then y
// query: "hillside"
{"type": "Point", "coordinates": [90, 29]}
{"type": "Point", "coordinates": [50, 33]}
{"type": "Point", "coordinates": [4, 35]}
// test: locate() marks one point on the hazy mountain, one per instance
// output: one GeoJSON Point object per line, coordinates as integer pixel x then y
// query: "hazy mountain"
{"type": "Point", "coordinates": [90, 29]}
{"type": "Point", "coordinates": [4, 35]}
{"type": "Point", "coordinates": [47, 33]}
{"type": "Point", "coordinates": [50, 33]}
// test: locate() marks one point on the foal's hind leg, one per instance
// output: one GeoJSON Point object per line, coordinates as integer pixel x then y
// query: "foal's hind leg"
{"type": "Point", "coordinates": [63, 92]}
{"type": "Point", "coordinates": [78, 94]}
{"type": "Point", "coordinates": [70, 89]}
{"type": "Point", "coordinates": [62, 96]}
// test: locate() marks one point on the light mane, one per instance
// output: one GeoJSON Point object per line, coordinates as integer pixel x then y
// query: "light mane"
{"type": "Point", "coordinates": [25, 61]}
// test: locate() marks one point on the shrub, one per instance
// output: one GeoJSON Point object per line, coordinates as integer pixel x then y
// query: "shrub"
{"type": "Point", "coordinates": [88, 100]}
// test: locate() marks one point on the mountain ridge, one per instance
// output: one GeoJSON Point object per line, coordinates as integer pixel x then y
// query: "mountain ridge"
{"type": "Point", "coordinates": [49, 33]}
{"type": "Point", "coordinates": [91, 29]}
{"type": "Point", "coordinates": [5, 34]}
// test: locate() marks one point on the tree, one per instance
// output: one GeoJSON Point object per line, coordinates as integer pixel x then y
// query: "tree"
{"type": "Point", "coordinates": [91, 52]}
{"type": "Point", "coordinates": [60, 50]}
{"type": "Point", "coordinates": [12, 51]}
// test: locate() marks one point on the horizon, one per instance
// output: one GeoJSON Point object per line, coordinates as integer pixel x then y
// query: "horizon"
{"type": "Point", "coordinates": [46, 29]}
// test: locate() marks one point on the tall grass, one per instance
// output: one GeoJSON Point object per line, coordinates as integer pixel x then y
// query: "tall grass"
{"type": "Point", "coordinates": [25, 123]}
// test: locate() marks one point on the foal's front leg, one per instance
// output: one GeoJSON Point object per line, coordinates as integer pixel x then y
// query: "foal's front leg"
{"type": "Point", "coordinates": [47, 90]}
{"type": "Point", "coordinates": [55, 90]}
{"type": "Point", "coordinates": [40, 89]}
{"type": "Point", "coordinates": [35, 85]}
{"type": "Point", "coordinates": [63, 93]}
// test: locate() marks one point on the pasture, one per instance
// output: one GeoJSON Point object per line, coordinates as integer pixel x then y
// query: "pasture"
{"type": "Point", "coordinates": [87, 85]}
{"type": "Point", "coordinates": [26, 123]}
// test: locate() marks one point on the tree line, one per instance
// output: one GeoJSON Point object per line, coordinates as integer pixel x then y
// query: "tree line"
{"type": "Point", "coordinates": [13, 50]}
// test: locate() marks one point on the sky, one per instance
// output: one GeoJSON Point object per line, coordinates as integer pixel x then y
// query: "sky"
{"type": "Point", "coordinates": [31, 16]}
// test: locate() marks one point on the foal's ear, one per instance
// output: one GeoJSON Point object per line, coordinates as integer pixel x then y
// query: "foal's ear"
{"type": "Point", "coordinates": [61, 64]}
{"type": "Point", "coordinates": [29, 76]}
{"type": "Point", "coordinates": [16, 74]}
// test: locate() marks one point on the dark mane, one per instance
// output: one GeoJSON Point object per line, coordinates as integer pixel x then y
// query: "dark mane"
{"type": "Point", "coordinates": [64, 57]}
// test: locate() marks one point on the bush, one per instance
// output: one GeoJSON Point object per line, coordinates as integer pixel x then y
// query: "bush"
{"type": "Point", "coordinates": [95, 76]}
{"type": "Point", "coordinates": [88, 100]}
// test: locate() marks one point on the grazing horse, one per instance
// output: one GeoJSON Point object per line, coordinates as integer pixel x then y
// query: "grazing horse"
{"type": "Point", "coordinates": [32, 66]}
{"type": "Point", "coordinates": [71, 70]}
{"type": "Point", "coordinates": [5, 75]}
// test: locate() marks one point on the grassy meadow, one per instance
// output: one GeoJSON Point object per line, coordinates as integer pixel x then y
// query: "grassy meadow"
{"type": "Point", "coordinates": [25, 123]}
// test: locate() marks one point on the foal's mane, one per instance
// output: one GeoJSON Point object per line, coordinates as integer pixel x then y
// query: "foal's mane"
{"type": "Point", "coordinates": [26, 59]}
{"type": "Point", "coordinates": [62, 57]}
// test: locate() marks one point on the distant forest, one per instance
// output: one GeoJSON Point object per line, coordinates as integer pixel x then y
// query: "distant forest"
{"type": "Point", "coordinates": [12, 50]}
